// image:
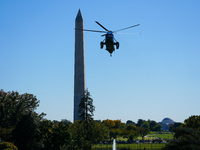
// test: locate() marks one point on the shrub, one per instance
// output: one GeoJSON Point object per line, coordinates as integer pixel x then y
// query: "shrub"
{"type": "Point", "coordinates": [7, 146]}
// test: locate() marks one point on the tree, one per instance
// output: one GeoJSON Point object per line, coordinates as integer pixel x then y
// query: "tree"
{"type": "Point", "coordinates": [186, 139]}
{"type": "Point", "coordinates": [187, 135]}
{"type": "Point", "coordinates": [154, 126]}
{"type": "Point", "coordinates": [6, 134]}
{"type": "Point", "coordinates": [118, 124]}
{"type": "Point", "coordinates": [177, 124]}
{"type": "Point", "coordinates": [140, 122]}
{"type": "Point", "coordinates": [114, 133]}
{"type": "Point", "coordinates": [54, 135]}
{"type": "Point", "coordinates": [46, 133]}
{"type": "Point", "coordinates": [60, 135]}
{"type": "Point", "coordinates": [86, 112]}
{"type": "Point", "coordinates": [13, 106]}
{"type": "Point", "coordinates": [65, 121]}
{"type": "Point", "coordinates": [131, 132]}
{"type": "Point", "coordinates": [100, 132]}
{"type": "Point", "coordinates": [192, 122]}
{"type": "Point", "coordinates": [157, 128]}
{"type": "Point", "coordinates": [109, 123]}
{"type": "Point", "coordinates": [144, 129]}
{"type": "Point", "coordinates": [130, 122]}
{"type": "Point", "coordinates": [86, 107]}
{"type": "Point", "coordinates": [26, 133]}
{"type": "Point", "coordinates": [79, 136]}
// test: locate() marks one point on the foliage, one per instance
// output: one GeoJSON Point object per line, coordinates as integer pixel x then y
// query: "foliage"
{"type": "Point", "coordinates": [86, 123]}
{"type": "Point", "coordinates": [114, 133]}
{"type": "Point", "coordinates": [187, 135]}
{"type": "Point", "coordinates": [118, 124]}
{"type": "Point", "coordinates": [65, 122]}
{"type": "Point", "coordinates": [108, 123]}
{"type": "Point", "coordinates": [7, 146]}
{"type": "Point", "coordinates": [54, 135]}
{"type": "Point", "coordinates": [192, 122]}
{"type": "Point", "coordinates": [13, 106]}
{"type": "Point", "coordinates": [45, 127]}
{"type": "Point", "coordinates": [100, 132]}
{"type": "Point", "coordinates": [79, 135]}
{"type": "Point", "coordinates": [86, 107]}
{"type": "Point", "coordinates": [6, 134]}
{"type": "Point", "coordinates": [83, 138]}
{"type": "Point", "coordinates": [60, 135]}
{"type": "Point", "coordinates": [177, 124]}
{"type": "Point", "coordinates": [140, 122]}
{"type": "Point", "coordinates": [186, 139]}
{"type": "Point", "coordinates": [157, 127]}
{"type": "Point", "coordinates": [131, 132]}
{"type": "Point", "coordinates": [154, 126]}
{"type": "Point", "coordinates": [115, 127]}
{"type": "Point", "coordinates": [130, 122]}
{"type": "Point", "coordinates": [26, 135]}
{"type": "Point", "coordinates": [64, 147]}
{"type": "Point", "coordinates": [144, 129]}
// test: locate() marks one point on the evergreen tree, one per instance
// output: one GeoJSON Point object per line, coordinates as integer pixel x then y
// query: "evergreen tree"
{"type": "Point", "coordinates": [86, 113]}
{"type": "Point", "coordinates": [86, 107]}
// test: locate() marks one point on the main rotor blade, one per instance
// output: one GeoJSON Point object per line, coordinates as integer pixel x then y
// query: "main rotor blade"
{"type": "Point", "coordinates": [91, 30]}
{"type": "Point", "coordinates": [102, 26]}
{"type": "Point", "coordinates": [126, 28]}
{"type": "Point", "coordinates": [126, 33]}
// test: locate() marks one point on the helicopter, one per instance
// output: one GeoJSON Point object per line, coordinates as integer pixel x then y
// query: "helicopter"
{"type": "Point", "coordinates": [109, 40]}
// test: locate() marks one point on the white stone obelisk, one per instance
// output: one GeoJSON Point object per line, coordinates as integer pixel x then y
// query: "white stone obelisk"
{"type": "Point", "coordinates": [79, 70]}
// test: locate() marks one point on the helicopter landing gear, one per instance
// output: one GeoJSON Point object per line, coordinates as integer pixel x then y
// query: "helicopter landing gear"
{"type": "Point", "coordinates": [101, 44]}
{"type": "Point", "coordinates": [117, 45]}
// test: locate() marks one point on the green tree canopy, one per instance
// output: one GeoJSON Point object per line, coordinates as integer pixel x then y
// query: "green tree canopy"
{"type": "Point", "coordinates": [60, 135]}
{"type": "Point", "coordinates": [140, 122]}
{"type": "Point", "coordinates": [13, 106]}
{"type": "Point", "coordinates": [131, 132]}
{"type": "Point", "coordinates": [27, 134]}
{"type": "Point", "coordinates": [186, 139]}
{"type": "Point", "coordinates": [130, 122]}
{"type": "Point", "coordinates": [192, 122]}
{"type": "Point", "coordinates": [144, 129]}
{"type": "Point", "coordinates": [46, 133]}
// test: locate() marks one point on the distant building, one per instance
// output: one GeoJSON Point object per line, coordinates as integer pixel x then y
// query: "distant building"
{"type": "Point", "coordinates": [166, 122]}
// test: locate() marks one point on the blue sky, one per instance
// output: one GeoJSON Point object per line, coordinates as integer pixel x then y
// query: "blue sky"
{"type": "Point", "coordinates": [153, 75]}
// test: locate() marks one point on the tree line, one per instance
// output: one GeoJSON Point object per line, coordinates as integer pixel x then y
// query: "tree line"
{"type": "Point", "coordinates": [21, 126]}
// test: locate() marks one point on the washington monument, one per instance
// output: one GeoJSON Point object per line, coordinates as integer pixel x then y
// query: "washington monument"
{"type": "Point", "coordinates": [79, 70]}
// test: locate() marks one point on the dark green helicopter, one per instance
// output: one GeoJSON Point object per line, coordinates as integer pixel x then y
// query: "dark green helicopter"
{"type": "Point", "coordinates": [109, 40]}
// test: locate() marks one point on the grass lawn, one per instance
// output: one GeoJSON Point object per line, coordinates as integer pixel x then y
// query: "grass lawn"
{"type": "Point", "coordinates": [134, 146]}
{"type": "Point", "coordinates": [151, 136]}
{"type": "Point", "coordinates": [162, 136]}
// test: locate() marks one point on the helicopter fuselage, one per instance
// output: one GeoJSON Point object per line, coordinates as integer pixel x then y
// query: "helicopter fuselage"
{"type": "Point", "coordinates": [109, 42]}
